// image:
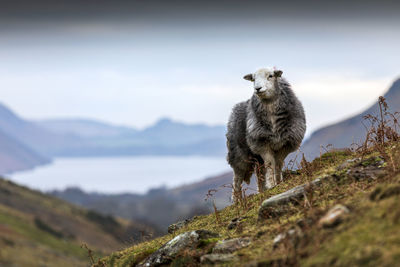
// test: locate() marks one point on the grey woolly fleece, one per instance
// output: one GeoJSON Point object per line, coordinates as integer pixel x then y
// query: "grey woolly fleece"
{"type": "Point", "coordinates": [256, 125]}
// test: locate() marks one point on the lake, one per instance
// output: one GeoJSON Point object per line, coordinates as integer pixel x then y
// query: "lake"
{"type": "Point", "coordinates": [121, 174]}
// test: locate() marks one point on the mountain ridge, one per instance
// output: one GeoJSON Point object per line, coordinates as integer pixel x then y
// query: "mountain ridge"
{"type": "Point", "coordinates": [351, 130]}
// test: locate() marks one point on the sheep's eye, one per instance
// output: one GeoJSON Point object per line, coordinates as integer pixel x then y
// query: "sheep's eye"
{"type": "Point", "coordinates": [270, 76]}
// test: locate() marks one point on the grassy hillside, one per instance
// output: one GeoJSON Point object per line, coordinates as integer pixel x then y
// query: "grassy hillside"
{"type": "Point", "coordinates": [40, 230]}
{"type": "Point", "coordinates": [160, 207]}
{"type": "Point", "coordinates": [366, 182]}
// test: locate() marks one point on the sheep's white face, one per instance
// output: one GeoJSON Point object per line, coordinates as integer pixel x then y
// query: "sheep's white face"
{"type": "Point", "coordinates": [265, 83]}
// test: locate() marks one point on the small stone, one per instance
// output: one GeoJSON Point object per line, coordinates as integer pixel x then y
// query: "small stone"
{"type": "Point", "coordinates": [278, 239]}
{"type": "Point", "coordinates": [231, 245]}
{"type": "Point", "coordinates": [334, 216]}
{"type": "Point", "coordinates": [293, 235]}
{"type": "Point", "coordinates": [217, 258]}
{"type": "Point", "coordinates": [176, 226]}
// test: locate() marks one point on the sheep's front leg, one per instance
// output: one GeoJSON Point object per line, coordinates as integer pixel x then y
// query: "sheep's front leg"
{"type": "Point", "coordinates": [270, 165]}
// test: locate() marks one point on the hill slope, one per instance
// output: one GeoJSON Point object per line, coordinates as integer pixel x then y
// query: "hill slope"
{"type": "Point", "coordinates": [40, 230]}
{"type": "Point", "coordinates": [160, 207]}
{"type": "Point", "coordinates": [364, 230]}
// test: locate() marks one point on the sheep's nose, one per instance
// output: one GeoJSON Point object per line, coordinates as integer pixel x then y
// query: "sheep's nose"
{"type": "Point", "coordinates": [258, 89]}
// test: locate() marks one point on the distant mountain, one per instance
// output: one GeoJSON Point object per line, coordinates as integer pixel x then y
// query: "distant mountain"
{"type": "Point", "coordinates": [171, 133]}
{"type": "Point", "coordinates": [25, 144]}
{"type": "Point", "coordinates": [15, 156]}
{"type": "Point", "coordinates": [344, 133]}
{"type": "Point", "coordinates": [33, 136]}
{"type": "Point", "coordinates": [165, 137]}
{"type": "Point", "coordinates": [40, 230]}
{"type": "Point", "coordinates": [85, 128]}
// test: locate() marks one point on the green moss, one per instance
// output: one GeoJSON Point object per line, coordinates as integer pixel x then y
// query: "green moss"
{"type": "Point", "coordinates": [370, 238]}
{"type": "Point", "coordinates": [371, 161]}
{"type": "Point", "coordinates": [183, 261]}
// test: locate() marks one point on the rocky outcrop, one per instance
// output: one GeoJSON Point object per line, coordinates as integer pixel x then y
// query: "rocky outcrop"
{"type": "Point", "coordinates": [274, 206]}
{"type": "Point", "coordinates": [170, 250]}
{"type": "Point", "coordinates": [217, 258]}
{"type": "Point", "coordinates": [231, 245]}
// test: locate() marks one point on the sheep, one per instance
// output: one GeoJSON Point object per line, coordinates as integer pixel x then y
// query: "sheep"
{"type": "Point", "coordinates": [263, 130]}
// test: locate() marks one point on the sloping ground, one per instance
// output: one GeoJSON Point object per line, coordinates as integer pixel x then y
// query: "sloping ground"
{"type": "Point", "coordinates": [160, 207]}
{"type": "Point", "coordinates": [368, 235]}
{"type": "Point", "coordinates": [40, 230]}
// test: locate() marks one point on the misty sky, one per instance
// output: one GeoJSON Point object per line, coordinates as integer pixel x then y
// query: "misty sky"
{"type": "Point", "coordinates": [132, 62]}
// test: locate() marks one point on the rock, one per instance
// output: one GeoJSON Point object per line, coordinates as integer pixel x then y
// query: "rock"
{"type": "Point", "coordinates": [231, 245]}
{"type": "Point", "coordinates": [176, 226]}
{"type": "Point", "coordinates": [293, 235]}
{"type": "Point", "coordinates": [187, 240]}
{"type": "Point", "coordinates": [274, 206]}
{"type": "Point", "coordinates": [217, 258]}
{"type": "Point", "coordinates": [278, 239]}
{"type": "Point", "coordinates": [235, 222]}
{"type": "Point", "coordinates": [368, 169]}
{"type": "Point", "coordinates": [347, 164]}
{"type": "Point", "coordinates": [334, 216]}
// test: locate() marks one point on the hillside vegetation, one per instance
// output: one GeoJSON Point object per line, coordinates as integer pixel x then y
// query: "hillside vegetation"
{"type": "Point", "coordinates": [40, 230]}
{"type": "Point", "coordinates": [364, 230]}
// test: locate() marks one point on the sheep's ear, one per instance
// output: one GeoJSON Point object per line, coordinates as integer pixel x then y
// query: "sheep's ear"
{"type": "Point", "coordinates": [249, 77]}
{"type": "Point", "coordinates": [278, 73]}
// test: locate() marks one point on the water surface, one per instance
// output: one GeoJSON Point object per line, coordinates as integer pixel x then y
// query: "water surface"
{"type": "Point", "coordinates": [121, 174]}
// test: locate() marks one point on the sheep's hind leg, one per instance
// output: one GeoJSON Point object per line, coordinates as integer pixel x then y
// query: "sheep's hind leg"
{"type": "Point", "coordinates": [238, 178]}
{"type": "Point", "coordinates": [278, 172]}
{"type": "Point", "coordinates": [261, 179]}
{"type": "Point", "coordinates": [237, 187]}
